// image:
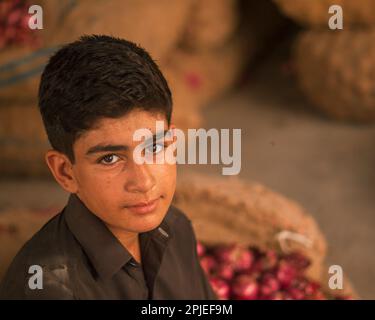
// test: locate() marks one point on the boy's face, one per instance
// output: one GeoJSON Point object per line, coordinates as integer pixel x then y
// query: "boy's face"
{"type": "Point", "coordinates": [112, 185]}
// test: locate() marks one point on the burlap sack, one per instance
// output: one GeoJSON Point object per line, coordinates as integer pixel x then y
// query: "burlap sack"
{"type": "Point", "coordinates": [16, 227]}
{"type": "Point", "coordinates": [211, 72]}
{"type": "Point", "coordinates": [21, 65]}
{"type": "Point", "coordinates": [228, 210]}
{"type": "Point", "coordinates": [315, 13]}
{"type": "Point", "coordinates": [20, 70]}
{"type": "Point", "coordinates": [186, 113]}
{"type": "Point", "coordinates": [208, 74]}
{"type": "Point", "coordinates": [335, 71]}
{"type": "Point", "coordinates": [155, 25]}
{"type": "Point", "coordinates": [211, 23]}
{"type": "Point", "coordinates": [23, 141]}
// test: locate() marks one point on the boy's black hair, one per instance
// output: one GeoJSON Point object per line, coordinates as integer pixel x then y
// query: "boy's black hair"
{"type": "Point", "coordinates": [98, 77]}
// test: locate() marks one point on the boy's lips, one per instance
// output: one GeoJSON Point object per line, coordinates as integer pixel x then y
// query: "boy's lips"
{"type": "Point", "coordinates": [144, 207]}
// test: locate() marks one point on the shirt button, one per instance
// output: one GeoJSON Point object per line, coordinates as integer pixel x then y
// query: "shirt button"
{"type": "Point", "coordinates": [163, 232]}
{"type": "Point", "coordinates": [133, 263]}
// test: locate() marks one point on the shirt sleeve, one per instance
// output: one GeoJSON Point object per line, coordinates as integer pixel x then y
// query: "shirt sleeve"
{"type": "Point", "coordinates": [55, 287]}
{"type": "Point", "coordinates": [16, 286]}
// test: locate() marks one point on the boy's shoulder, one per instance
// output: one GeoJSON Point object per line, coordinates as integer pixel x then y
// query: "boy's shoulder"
{"type": "Point", "coordinates": [45, 251]}
{"type": "Point", "coordinates": [49, 242]}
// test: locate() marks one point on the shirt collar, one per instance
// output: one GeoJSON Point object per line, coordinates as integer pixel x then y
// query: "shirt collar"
{"type": "Point", "coordinates": [103, 249]}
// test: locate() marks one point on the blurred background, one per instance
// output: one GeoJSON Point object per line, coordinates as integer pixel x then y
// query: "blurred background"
{"type": "Point", "coordinates": [303, 95]}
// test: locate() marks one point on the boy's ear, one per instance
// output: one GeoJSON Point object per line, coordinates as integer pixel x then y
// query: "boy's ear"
{"type": "Point", "coordinates": [61, 168]}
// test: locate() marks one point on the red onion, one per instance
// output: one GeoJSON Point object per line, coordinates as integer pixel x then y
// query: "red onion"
{"type": "Point", "coordinates": [269, 285]}
{"type": "Point", "coordinates": [286, 274]}
{"type": "Point", "coordinates": [296, 294]}
{"type": "Point", "coordinates": [270, 260]}
{"type": "Point", "coordinates": [224, 271]}
{"type": "Point", "coordinates": [299, 261]}
{"type": "Point", "coordinates": [238, 256]}
{"type": "Point", "coordinates": [220, 287]}
{"type": "Point", "coordinates": [318, 296]}
{"type": "Point", "coordinates": [240, 273]}
{"type": "Point", "coordinates": [208, 263]}
{"type": "Point", "coordinates": [245, 287]}
{"type": "Point", "coordinates": [200, 249]}
{"type": "Point", "coordinates": [311, 288]}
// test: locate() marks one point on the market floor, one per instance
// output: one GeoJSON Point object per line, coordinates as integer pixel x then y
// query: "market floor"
{"type": "Point", "coordinates": [326, 166]}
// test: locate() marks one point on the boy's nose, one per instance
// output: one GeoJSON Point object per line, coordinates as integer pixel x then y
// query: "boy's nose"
{"type": "Point", "coordinates": [141, 180]}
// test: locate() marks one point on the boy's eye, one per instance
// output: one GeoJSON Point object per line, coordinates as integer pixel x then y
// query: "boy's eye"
{"type": "Point", "coordinates": [109, 159]}
{"type": "Point", "coordinates": [154, 148]}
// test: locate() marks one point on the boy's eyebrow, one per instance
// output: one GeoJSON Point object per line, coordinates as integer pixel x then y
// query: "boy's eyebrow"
{"type": "Point", "coordinates": [113, 148]}
{"type": "Point", "coordinates": [105, 148]}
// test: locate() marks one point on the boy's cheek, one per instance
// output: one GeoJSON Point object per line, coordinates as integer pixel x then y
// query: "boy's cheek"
{"type": "Point", "coordinates": [167, 176]}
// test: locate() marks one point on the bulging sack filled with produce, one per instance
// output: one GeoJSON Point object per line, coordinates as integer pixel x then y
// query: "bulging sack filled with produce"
{"type": "Point", "coordinates": [227, 211]}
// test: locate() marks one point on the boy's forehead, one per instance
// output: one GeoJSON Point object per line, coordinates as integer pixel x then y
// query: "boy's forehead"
{"type": "Point", "coordinates": [134, 120]}
{"type": "Point", "coordinates": [120, 130]}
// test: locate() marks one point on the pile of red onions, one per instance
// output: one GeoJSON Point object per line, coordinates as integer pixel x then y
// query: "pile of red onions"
{"type": "Point", "coordinates": [14, 23]}
{"type": "Point", "coordinates": [244, 273]}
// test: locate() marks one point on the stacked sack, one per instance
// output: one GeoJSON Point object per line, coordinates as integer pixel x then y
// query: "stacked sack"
{"type": "Point", "coordinates": [228, 211]}
{"type": "Point", "coordinates": [201, 46]}
{"type": "Point", "coordinates": [335, 67]}
{"type": "Point", "coordinates": [23, 141]}
{"type": "Point", "coordinates": [221, 39]}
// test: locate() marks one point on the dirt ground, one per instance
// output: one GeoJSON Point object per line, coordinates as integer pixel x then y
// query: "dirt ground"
{"type": "Point", "coordinates": [328, 167]}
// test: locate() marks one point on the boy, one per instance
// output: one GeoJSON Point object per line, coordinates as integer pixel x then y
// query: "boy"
{"type": "Point", "coordinates": [118, 236]}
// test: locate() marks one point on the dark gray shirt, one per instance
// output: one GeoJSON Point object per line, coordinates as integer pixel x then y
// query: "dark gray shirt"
{"type": "Point", "coordinates": [81, 259]}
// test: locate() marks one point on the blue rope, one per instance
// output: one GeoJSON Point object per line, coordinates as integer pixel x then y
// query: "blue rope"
{"type": "Point", "coordinates": [25, 74]}
{"type": "Point", "coordinates": [21, 76]}
{"type": "Point", "coordinates": [36, 54]}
